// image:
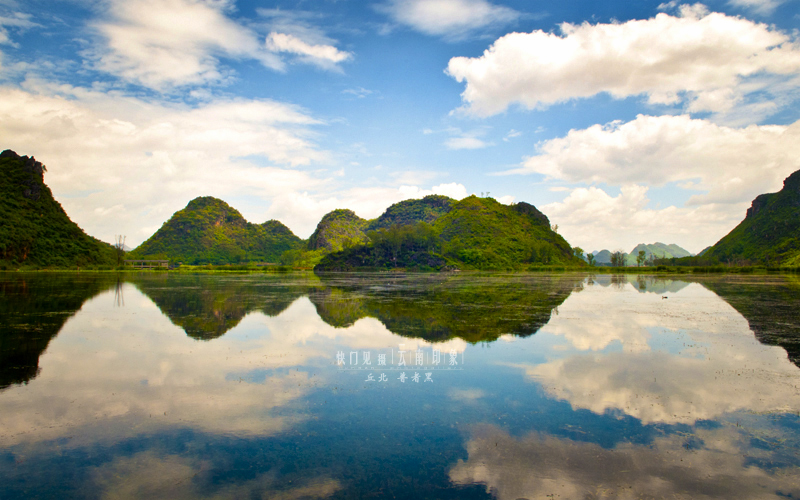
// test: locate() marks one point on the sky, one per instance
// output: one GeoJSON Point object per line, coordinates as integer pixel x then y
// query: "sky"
{"type": "Point", "coordinates": [624, 122]}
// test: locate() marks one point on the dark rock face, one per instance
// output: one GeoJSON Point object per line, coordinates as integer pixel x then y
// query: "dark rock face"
{"type": "Point", "coordinates": [32, 187]}
{"type": "Point", "coordinates": [758, 203]}
{"type": "Point", "coordinates": [533, 212]}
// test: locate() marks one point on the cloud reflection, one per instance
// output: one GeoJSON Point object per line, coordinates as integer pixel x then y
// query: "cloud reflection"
{"type": "Point", "coordinates": [688, 358]}
{"type": "Point", "coordinates": [542, 466]}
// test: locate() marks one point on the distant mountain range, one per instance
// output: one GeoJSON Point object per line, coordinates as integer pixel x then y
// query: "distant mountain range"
{"type": "Point", "coordinates": [654, 250]}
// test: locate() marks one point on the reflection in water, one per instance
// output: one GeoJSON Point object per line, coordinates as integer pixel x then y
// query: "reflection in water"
{"type": "Point", "coordinates": [33, 308]}
{"type": "Point", "coordinates": [771, 306]}
{"type": "Point", "coordinates": [681, 360]}
{"type": "Point", "coordinates": [705, 464]}
{"type": "Point", "coordinates": [436, 308]}
{"type": "Point", "coordinates": [206, 307]}
{"type": "Point", "coordinates": [631, 387]}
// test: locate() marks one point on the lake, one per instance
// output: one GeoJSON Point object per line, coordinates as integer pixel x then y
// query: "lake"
{"type": "Point", "coordinates": [462, 385]}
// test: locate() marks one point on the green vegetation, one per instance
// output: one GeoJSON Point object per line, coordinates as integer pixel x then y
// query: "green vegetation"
{"type": "Point", "coordinates": [209, 231]}
{"type": "Point", "coordinates": [769, 234]}
{"type": "Point", "coordinates": [410, 212]}
{"type": "Point", "coordinates": [474, 308]}
{"type": "Point", "coordinates": [337, 231]}
{"type": "Point", "coordinates": [476, 233]}
{"type": "Point", "coordinates": [36, 232]}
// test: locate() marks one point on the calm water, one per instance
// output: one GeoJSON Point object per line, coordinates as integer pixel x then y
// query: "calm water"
{"type": "Point", "coordinates": [494, 386]}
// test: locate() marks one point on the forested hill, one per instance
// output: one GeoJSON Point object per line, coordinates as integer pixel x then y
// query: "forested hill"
{"type": "Point", "coordinates": [36, 231]}
{"type": "Point", "coordinates": [770, 232]}
{"type": "Point", "coordinates": [209, 231]}
{"type": "Point", "coordinates": [476, 233]}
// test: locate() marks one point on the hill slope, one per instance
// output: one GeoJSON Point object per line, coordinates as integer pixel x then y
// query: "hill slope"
{"type": "Point", "coordinates": [338, 229]}
{"type": "Point", "coordinates": [209, 231]}
{"type": "Point", "coordinates": [770, 232]}
{"type": "Point", "coordinates": [36, 231]}
{"type": "Point", "coordinates": [409, 212]}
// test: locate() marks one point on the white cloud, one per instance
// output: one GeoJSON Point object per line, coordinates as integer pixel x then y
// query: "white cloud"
{"type": "Point", "coordinates": [16, 20]}
{"type": "Point", "coordinates": [465, 143]}
{"type": "Point", "coordinates": [449, 18]}
{"type": "Point", "coordinates": [764, 7]}
{"type": "Point", "coordinates": [731, 165]}
{"type": "Point", "coordinates": [591, 218]}
{"type": "Point", "coordinates": [707, 61]}
{"type": "Point", "coordinates": [162, 43]}
{"type": "Point", "coordinates": [105, 150]}
{"type": "Point", "coordinates": [326, 56]}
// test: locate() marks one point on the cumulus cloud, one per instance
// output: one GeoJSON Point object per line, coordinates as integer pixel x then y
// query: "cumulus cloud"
{"type": "Point", "coordinates": [148, 159]}
{"type": "Point", "coordinates": [706, 61]}
{"type": "Point", "coordinates": [722, 165]}
{"type": "Point", "coordinates": [162, 43]}
{"type": "Point", "coordinates": [591, 218]}
{"type": "Point", "coordinates": [326, 56]}
{"type": "Point", "coordinates": [448, 18]}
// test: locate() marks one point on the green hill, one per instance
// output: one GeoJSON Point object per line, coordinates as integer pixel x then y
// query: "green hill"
{"type": "Point", "coordinates": [209, 231]}
{"type": "Point", "coordinates": [337, 230]}
{"type": "Point", "coordinates": [36, 232]}
{"type": "Point", "coordinates": [409, 212]}
{"type": "Point", "coordinates": [770, 232]}
{"type": "Point", "coordinates": [476, 233]}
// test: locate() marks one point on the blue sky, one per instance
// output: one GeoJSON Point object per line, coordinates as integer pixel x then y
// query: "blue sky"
{"type": "Point", "coordinates": [624, 122]}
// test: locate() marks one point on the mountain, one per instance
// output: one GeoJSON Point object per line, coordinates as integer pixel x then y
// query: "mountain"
{"type": "Point", "coordinates": [337, 230]}
{"type": "Point", "coordinates": [476, 233]}
{"type": "Point", "coordinates": [409, 212]}
{"type": "Point", "coordinates": [769, 233]}
{"type": "Point", "coordinates": [657, 250]}
{"type": "Point", "coordinates": [36, 231]}
{"type": "Point", "coordinates": [342, 228]}
{"type": "Point", "coordinates": [209, 231]}
{"type": "Point", "coordinates": [602, 257]}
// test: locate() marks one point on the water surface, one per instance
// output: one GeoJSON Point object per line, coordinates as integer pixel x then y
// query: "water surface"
{"type": "Point", "coordinates": [253, 386]}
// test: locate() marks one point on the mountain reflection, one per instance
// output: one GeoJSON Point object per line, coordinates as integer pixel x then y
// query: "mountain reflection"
{"type": "Point", "coordinates": [208, 306]}
{"type": "Point", "coordinates": [771, 305]}
{"type": "Point", "coordinates": [434, 308]}
{"type": "Point", "coordinates": [33, 309]}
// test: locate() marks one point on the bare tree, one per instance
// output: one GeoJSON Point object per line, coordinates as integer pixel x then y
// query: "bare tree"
{"type": "Point", "coordinates": [119, 245]}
